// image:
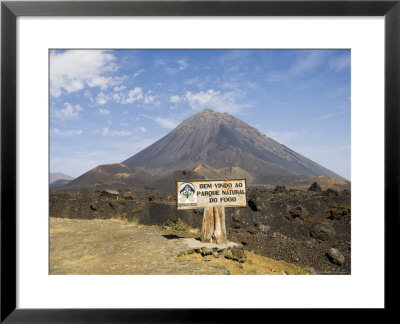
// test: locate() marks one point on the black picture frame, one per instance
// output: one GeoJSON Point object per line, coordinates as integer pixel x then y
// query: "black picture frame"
{"type": "Point", "coordinates": [10, 10]}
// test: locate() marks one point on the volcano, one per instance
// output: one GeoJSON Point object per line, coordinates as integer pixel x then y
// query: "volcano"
{"type": "Point", "coordinates": [219, 143]}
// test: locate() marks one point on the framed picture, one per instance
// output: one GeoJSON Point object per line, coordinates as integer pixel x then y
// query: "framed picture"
{"type": "Point", "coordinates": [136, 19]}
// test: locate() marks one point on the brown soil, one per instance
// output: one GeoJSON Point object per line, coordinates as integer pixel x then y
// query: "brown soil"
{"type": "Point", "coordinates": [114, 247]}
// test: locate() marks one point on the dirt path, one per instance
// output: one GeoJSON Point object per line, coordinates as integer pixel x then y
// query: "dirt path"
{"type": "Point", "coordinates": [113, 247]}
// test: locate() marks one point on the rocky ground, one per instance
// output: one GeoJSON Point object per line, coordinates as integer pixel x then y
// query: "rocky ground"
{"type": "Point", "coordinates": [116, 247]}
{"type": "Point", "coordinates": [301, 227]}
{"type": "Point", "coordinates": [305, 228]}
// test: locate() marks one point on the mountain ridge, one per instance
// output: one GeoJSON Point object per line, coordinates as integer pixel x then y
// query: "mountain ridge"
{"type": "Point", "coordinates": [207, 145]}
{"type": "Point", "coordinates": [55, 176]}
{"type": "Point", "coordinates": [221, 140]}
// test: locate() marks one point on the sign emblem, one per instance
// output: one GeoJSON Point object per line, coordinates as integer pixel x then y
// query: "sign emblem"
{"type": "Point", "coordinates": [187, 194]}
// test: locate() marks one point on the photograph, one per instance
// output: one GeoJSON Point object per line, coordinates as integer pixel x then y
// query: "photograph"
{"type": "Point", "coordinates": [199, 161]}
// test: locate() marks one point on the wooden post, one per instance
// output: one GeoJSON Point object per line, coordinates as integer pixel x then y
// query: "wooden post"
{"type": "Point", "coordinates": [213, 229]}
{"type": "Point", "coordinates": [207, 229]}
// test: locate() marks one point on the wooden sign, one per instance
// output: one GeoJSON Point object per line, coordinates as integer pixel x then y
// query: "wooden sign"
{"type": "Point", "coordinates": [210, 193]}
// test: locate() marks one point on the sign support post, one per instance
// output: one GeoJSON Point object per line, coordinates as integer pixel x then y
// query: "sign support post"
{"type": "Point", "coordinates": [213, 196]}
{"type": "Point", "coordinates": [214, 229]}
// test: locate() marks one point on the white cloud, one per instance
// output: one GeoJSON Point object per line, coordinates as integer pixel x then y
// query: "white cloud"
{"type": "Point", "coordinates": [340, 63]}
{"type": "Point", "coordinates": [174, 99]}
{"type": "Point", "coordinates": [102, 99]}
{"type": "Point", "coordinates": [99, 81]}
{"type": "Point", "coordinates": [221, 102]}
{"type": "Point", "coordinates": [149, 99]}
{"type": "Point", "coordinates": [104, 111]}
{"type": "Point", "coordinates": [69, 112]}
{"type": "Point", "coordinates": [106, 132]}
{"type": "Point", "coordinates": [62, 133]}
{"type": "Point", "coordinates": [72, 70]}
{"type": "Point", "coordinates": [191, 81]}
{"type": "Point", "coordinates": [117, 89]}
{"type": "Point", "coordinates": [142, 129]}
{"type": "Point", "coordinates": [116, 97]}
{"type": "Point", "coordinates": [327, 116]}
{"type": "Point", "coordinates": [121, 133]}
{"type": "Point", "coordinates": [136, 74]}
{"type": "Point", "coordinates": [166, 122]}
{"type": "Point", "coordinates": [201, 98]}
{"type": "Point", "coordinates": [88, 95]}
{"type": "Point", "coordinates": [182, 65]}
{"type": "Point", "coordinates": [172, 67]}
{"type": "Point", "coordinates": [134, 95]}
{"type": "Point", "coordinates": [306, 63]}
{"type": "Point", "coordinates": [339, 111]}
{"type": "Point", "coordinates": [341, 92]}
{"type": "Point", "coordinates": [276, 77]}
{"type": "Point", "coordinates": [159, 62]}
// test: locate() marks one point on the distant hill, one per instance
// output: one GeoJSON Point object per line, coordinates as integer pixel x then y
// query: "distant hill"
{"type": "Point", "coordinates": [59, 176]}
{"type": "Point", "coordinates": [58, 179]}
{"type": "Point", "coordinates": [59, 183]}
{"type": "Point", "coordinates": [109, 176]}
{"type": "Point", "coordinates": [324, 182]}
{"type": "Point", "coordinates": [112, 175]}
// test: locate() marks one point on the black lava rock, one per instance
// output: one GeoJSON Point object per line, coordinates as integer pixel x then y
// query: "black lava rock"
{"type": "Point", "coordinates": [315, 187]}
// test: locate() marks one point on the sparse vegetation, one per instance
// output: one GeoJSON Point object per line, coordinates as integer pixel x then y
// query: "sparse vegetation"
{"type": "Point", "coordinates": [301, 272]}
{"type": "Point", "coordinates": [180, 225]}
{"type": "Point", "coordinates": [134, 221]}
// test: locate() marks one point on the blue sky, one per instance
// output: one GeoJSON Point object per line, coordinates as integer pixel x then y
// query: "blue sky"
{"type": "Point", "coordinates": [106, 106]}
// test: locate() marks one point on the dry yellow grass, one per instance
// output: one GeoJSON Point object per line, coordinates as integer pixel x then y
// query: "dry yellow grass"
{"type": "Point", "coordinates": [123, 175]}
{"type": "Point", "coordinates": [324, 182]}
{"type": "Point", "coordinates": [255, 265]}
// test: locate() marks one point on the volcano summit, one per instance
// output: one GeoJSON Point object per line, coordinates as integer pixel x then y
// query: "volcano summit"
{"type": "Point", "coordinates": [208, 145]}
